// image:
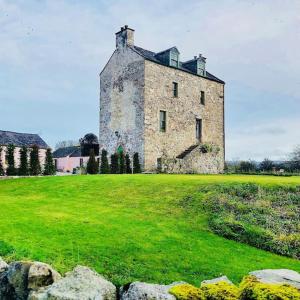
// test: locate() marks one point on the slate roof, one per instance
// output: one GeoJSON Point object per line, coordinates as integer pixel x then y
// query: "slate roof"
{"type": "Point", "coordinates": [73, 151]}
{"type": "Point", "coordinates": [149, 55]}
{"type": "Point", "coordinates": [21, 139]}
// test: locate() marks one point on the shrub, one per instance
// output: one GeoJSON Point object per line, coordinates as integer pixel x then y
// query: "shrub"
{"type": "Point", "coordinates": [23, 169]}
{"type": "Point", "coordinates": [35, 167]}
{"type": "Point", "coordinates": [104, 168]}
{"type": "Point", "coordinates": [187, 292]}
{"type": "Point", "coordinates": [11, 170]}
{"type": "Point", "coordinates": [92, 166]}
{"type": "Point", "coordinates": [2, 173]}
{"type": "Point", "coordinates": [114, 164]}
{"type": "Point", "coordinates": [122, 163]}
{"type": "Point", "coordinates": [220, 291]}
{"type": "Point", "coordinates": [128, 164]}
{"type": "Point", "coordinates": [252, 289]}
{"type": "Point", "coordinates": [49, 168]}
{"type": "Point", "coordinates": [136, 163]}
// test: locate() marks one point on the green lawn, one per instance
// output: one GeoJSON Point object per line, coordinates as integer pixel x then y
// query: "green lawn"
{"type": "Point", "coordinates": [127, 227]}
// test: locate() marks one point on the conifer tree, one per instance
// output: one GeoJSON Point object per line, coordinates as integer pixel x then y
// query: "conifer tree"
{"type": "Point", "coordinates": [49, 168]}
{"type": "Point", "coordinates": [92, 166]}
{"type": "Point", "coordinates": [122, 163]}
{"type": "Point", "coordinates": [114, 164]}
{"type": "Point", "coordinates": [128, 164]}
{"type": "Point", "coordinates": [2, 173]}
{"type": "Point", "coordinates": [104, 168]}
{"type": "Point", "coordinates": [23, 168]}
{"type": "Point", "coordinates": [136, 163]}
{"type": "Point", "coordinates": [34, 162]}
{"type": "Point", "coordinates": [11, 170]}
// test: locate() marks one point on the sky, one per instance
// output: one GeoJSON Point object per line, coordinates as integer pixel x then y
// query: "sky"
{"type": "Point", "coordinates": [52, 51]}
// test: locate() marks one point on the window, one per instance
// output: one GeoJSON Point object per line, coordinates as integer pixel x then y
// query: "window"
{"type": "Point", "coordinates": [174, 59]}
{"type": "Point", "coordinates": [81, 162]}
{"type": "Point", "coordinates": [202, 98]}
{"type": "Point", "coordinates": [198, 129]}
{"type": "Point", "coordinates": [159, 165]}
{"type": "Point", "coordinates": [175, 89]}
{"type": "Point", "coordinates": [162, 121]}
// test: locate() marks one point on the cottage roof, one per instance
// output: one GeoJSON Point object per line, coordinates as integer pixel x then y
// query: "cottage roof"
{"type": "Point", "coordinates": [21, 139]}
{"type": "Point", "coordinates": [73, 151]}
{"type": "Point", "coordinates": [149, 55]}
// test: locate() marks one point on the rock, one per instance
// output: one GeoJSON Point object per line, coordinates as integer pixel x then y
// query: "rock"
{"type": "Point", "coordinates": [40, 275]}
{"type": "Point", "coordinates": [147, 291]}
{"type": "Point", "coordinates": [13, 281]}
{"type": "Point", "coordinates": [278, 276]}
{"type": "Point", "coordinates": [80, 284]}
{"type": "Point", "coordinates": [3, 265]}
{"type": "Point", "coordinates": [216, 280]}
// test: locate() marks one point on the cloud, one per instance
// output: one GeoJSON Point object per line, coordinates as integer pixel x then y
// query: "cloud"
{"type": "Point", "coordinates": [51, 53]}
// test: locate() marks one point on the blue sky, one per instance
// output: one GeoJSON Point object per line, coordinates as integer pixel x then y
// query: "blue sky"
{"type": "Point", "coordinates": [51, 53]}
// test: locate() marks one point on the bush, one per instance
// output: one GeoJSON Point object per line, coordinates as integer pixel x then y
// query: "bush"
{"type": "Point", "coordinates": [128, 164]}
{"type": "Point", "coordinates": [23, 169]}
{"type": "Point", "coordinates": [122, 163]}
{"type": "Point", "coordinates": [11, 170]}
{"type": "Point", "coordinates": [252, 289]}
{"type": "Point", "coordinates": [114, 164]}
{"type": "Point", "coordinates": [104, 168]}
{"type": "Point", "coordinates": [49, 168]}
{"type": "Point", "coordinates": [220, 291]}
{"type": "Point", "coordinates": [136, 163]}
{"type": "Point", "coordinates": [187, 292]}
{"type": "Point", "coordinates": [92, 166]}
{"type": "Point", "coordinates": [35, 167]}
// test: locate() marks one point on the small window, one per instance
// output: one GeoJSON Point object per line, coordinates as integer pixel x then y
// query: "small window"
{"type": "Point", "coordinates": [202, 98]}
{"type": "Point", "coordinates": [162, 121]}
{"type": "Point", "coordinates": [81, 162]}
{"type": "Point", "coordinates": [199, 129]}
{"type": "Point", "coordinates": [174, 59]}
{"type": "Point", "coordinates": [175, 89]}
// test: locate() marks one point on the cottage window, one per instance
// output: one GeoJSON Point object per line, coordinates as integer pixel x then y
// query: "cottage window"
{"type": "Point", "coordinates": [198, 129]}
{"type": "Point", "coordinates": [202, 98]}
{"type": "Point", "coordinates": [175, 89]}
{"type": "Point", "coordinates": [162, 121]}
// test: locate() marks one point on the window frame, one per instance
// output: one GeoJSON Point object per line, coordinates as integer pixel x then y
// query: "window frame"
{"type": "Point", "coordinates": [162, 121]}
{"type": "Point", "coordinates": [175, 89]}
{"type": "Point", "coordinates": [202, 97]}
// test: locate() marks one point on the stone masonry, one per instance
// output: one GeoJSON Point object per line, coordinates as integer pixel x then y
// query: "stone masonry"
{"type": "Point", "coordinates": [135, 85]}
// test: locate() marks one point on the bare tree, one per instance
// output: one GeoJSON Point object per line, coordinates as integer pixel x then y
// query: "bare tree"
{"type": "Point", "coordinates": [295, 159]}
{"type": "Point", "coordinates": [67, 143]}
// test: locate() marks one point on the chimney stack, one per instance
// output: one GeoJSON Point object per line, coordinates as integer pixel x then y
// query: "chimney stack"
{"type": "Point", "coordinates": [125, 37]}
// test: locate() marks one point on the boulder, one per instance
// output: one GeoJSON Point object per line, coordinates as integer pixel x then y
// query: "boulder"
{"type": "Point", "coordinates": [80, 284]}
{"type": "Point", "coordinates": [216, 280]}
{"type": "Point", "coordinates": [3, 265]}
{"type": "Point", "coordinates": [13, 281]}
{"type": "Point", "coordinates": [283, 276]}
{"type": "Point", "coordinates": [40, 275]}
{"type": "Point", "coordinates": [147, 291]}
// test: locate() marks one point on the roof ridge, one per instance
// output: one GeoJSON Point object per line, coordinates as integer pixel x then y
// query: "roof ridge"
{"type": "Point", "coordinates": [19, 132]}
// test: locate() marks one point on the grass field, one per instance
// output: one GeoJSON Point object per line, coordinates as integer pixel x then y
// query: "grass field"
{"type": "Point", "coordinates": [126, 227]}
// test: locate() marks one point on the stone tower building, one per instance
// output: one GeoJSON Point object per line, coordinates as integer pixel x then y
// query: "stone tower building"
{"type": "Point", "coordinates": [170, 112]}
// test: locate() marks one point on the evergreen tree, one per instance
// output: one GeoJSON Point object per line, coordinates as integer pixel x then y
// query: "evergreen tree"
{"type": "Point", "coordinates": [23, 168]}
{"type": "Point", "coordinates": [2, 173]}
{"type": "Point", "coordinates": [128, 164]}
{"type": "Point", "coordinates": [92, 166]}
{"type": "Point", "coordinates": [122, 163]}
{"type": "Point", "coordinates": [11, 170]}
{"type": "Point", "coordinates": [104, 168]}
{"type": "Point", "coordinates": [136, 163]}
{"type": "Point", "coordinates": [34, 163]}
{"type": "Point", "coordinates": [114, 164]}
{"type": "Point", "coordinates": [49, 168]}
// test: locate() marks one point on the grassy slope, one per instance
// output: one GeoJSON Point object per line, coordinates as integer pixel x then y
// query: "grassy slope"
{"type": "Point", "coordinates": [127, 227]}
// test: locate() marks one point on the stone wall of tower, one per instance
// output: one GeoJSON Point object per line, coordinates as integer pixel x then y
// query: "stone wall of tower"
{"type": "Point", "coordinates": [121, 103]}
{"type": "Point", "coordinates": [181, 120]}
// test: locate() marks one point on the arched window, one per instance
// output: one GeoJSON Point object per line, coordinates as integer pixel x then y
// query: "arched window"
{"type": "Point", "coordinates": [120, 150]}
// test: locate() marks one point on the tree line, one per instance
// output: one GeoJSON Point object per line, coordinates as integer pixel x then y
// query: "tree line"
{"type": "Point", "coordinates": [28, 165]}
{"type": "Point", "coordinates": [120, 163]}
